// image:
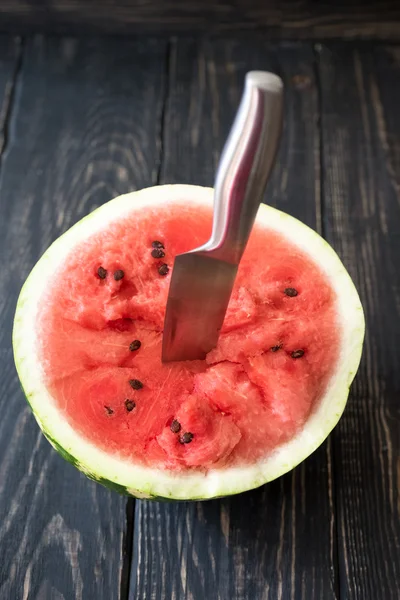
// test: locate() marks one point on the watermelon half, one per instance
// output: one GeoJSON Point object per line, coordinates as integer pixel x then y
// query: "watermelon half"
{"type": "Point", "coordinates": [87, 344]}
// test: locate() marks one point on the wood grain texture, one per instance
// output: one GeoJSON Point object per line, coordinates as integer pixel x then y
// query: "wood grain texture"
{"type": "Point", "coordinates": [277, 542]}
{"type": "Point", "coordinates": [84, 127]}
{"type": "Point", "coordinates": [379, 19]}
{"type": "Point", "coordinates": [10, 53]}
{"type": "Point", "coordinates": [361, 159]}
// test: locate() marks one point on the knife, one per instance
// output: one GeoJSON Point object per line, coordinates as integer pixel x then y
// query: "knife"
{"type": "Point", "coordinates": [202, 279]}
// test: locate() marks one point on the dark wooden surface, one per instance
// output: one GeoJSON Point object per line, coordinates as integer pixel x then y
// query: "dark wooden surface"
{"type": "Point", "coordinates": [297, 19]}
{"type": "Point", "coordinates": [82, 120]}
{"type": "Point", "coordinates": [360, 96]}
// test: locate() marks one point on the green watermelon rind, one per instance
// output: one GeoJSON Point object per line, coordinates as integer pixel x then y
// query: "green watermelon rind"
{"type": "Point", "coordinates": [122, 475]}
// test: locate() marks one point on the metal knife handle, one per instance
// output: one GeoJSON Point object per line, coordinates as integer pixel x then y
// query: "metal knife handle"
{"type": "Point", "coordinates": [246, 163]}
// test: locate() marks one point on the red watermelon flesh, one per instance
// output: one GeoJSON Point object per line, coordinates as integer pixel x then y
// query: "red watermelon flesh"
{"type": "Point", "coordinates": [254, 391]}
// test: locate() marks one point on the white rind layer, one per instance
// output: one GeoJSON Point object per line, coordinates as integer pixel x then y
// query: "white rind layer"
{"type": "Point", "coordinates": [146, 482]}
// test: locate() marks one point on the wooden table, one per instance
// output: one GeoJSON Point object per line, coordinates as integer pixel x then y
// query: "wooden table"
{"type": "Point", "coordinates": [82, 120]}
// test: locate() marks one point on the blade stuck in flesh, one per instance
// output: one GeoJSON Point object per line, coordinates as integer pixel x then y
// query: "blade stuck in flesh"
{"type": "Point", "coordinates": [202, 280]}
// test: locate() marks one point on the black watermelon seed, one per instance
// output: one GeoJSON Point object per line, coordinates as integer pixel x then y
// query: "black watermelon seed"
{"type": "Point", "coordinates": [109, 410]}
{"type": "Point", "coordinates": [158, 253]}
{"type": "Point", "coordinates": [118, 275]}
{"type": "Point", "coordinates": [129, 405]}
{"type": "Point", "coordinates": [276, 348]}
{"type": "Point", "coordinates": [291, 292]}
{"type": "Point", "coordinates": [102, 273]}
{"type": "Point", "coordinates": [135, 345]}
{"type": "Point", "coordinates": [163, 269]}
{"type": "Point", "coordinates": [186, 438]}
{"type": "Point", "coordinates": [175, 426]}
{"type": "Point", "coordinates": [297, 354]}
{"type": "Point", "coordinates": [157, 244]}
{"type": "Point", "coordinates": [135, 384]}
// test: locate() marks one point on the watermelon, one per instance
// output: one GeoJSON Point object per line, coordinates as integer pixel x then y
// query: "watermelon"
{"type": "Point", "coordinates": [87, 343]}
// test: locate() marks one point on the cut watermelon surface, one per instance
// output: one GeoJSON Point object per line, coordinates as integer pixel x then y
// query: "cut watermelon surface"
{"type": "Point", "coordinates": [92, 311]}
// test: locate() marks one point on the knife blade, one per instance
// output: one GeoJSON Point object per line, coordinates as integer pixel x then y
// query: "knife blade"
{"type": "Point", "coordinates": [202, 279]}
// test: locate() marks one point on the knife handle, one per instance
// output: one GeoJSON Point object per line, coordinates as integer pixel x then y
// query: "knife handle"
{"type": "Point", "coordinates": [245, 165]}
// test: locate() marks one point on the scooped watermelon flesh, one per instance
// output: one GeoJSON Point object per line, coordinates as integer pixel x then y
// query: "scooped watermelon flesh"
{"type": "Point", "coordinates": [255, 390]}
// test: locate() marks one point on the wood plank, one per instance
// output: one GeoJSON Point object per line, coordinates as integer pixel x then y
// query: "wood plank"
{"type": "Point", "coordinates": [361, 159]}
{"type": "Point", "coordinates": [10, 51]}
{"type": "Point", "coordinates": [277, 541]}
{"type": "Point", "coordinates": [84, 127]}
{"type": "Point", "coordinates": [378, 19]}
